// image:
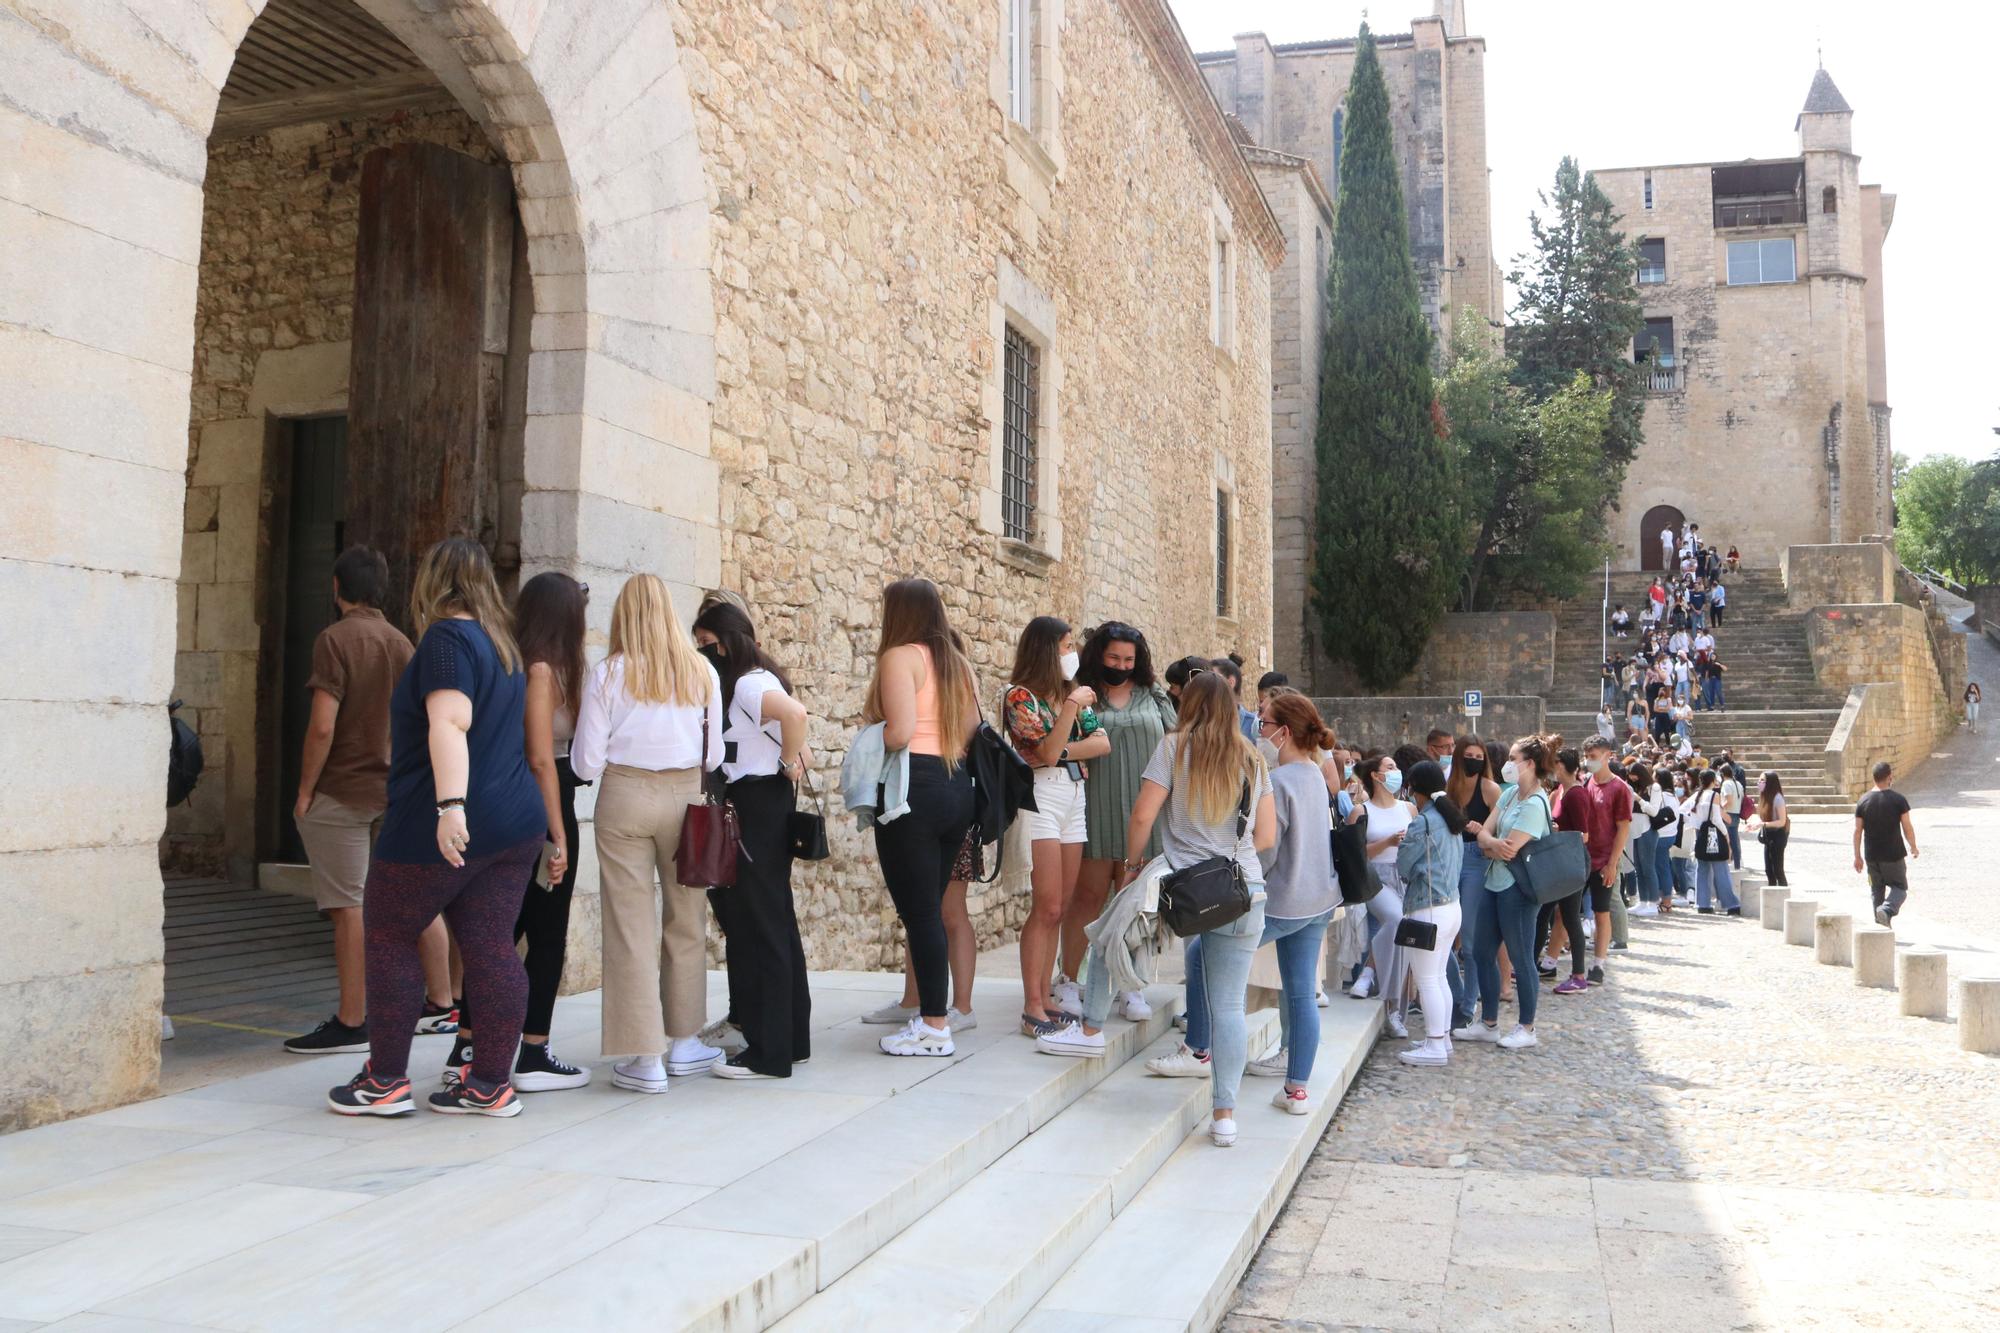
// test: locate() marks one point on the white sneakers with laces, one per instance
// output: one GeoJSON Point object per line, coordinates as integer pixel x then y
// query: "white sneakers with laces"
{"type": "Point", "coordinates": [958, 1022]}
{"type": "Point", "coordinates": [1180, 1063]}
{"type": "Point", "coordinates": [645, 1074]}
{"type": "Point", "coordinates": [1519, 1039]}
{"type": "Point", "coordinates": [1275, 1065]}
{"type": "Point", "coordinates": [1132, 1006]}
{"type": "Point", "coordinates": [1477, 1031]}
{"type": "Point", "coordinates": [918, 1038]}
{"type": "Point", "coordinates": [1070, 1040]}
{"type": "Point", "coordinates": [894, 1014]}
{"type": "Point", "coordinates": [1295, 1100]}
{"type": "Point", "coordinates": [724, 1036]}
{"type": "Point", "coordinates": [1364, 985]}
{"type": "Point", "coordinates": [691, 1055]}
{"type": "Point", "coordinates": [1433, 1052]}
{"type": "Point", "coordinates": [1223, 1132]}
{"type": "Point", "coordinates": [1397, 1027]}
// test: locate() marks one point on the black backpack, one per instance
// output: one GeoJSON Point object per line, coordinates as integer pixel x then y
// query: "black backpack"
{"type": "Point", "coordinates": [183, 758]}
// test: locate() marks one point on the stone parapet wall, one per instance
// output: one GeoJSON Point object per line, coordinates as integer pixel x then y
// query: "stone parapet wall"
{"type": "Point", "coordinates": [1384, 722]}
{"type": "Point", "coordinates": [1850, 573]}
{"type": "Point", "coordinates": [1896, 705]}
{"type": "Point", "coordinates": [1499, 652]}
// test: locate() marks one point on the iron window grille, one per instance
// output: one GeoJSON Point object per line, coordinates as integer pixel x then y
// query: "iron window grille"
{"type": "Point", "coordinates": [1021, 391]}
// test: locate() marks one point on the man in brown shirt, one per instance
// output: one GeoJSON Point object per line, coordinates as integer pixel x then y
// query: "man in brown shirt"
{"type": "Point", "coordinates": [343, 790]}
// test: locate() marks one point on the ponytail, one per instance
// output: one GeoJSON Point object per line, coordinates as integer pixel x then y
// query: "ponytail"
{"type": "Point", "coordinates": [1449, 811]}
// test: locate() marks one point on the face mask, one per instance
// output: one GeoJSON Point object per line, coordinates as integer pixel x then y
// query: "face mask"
{"type": "Point", "coordinates": [1393, 780]}
{"type": "Point", "coordinates": [1593, 766]}
{"type": "Point", "coordinates": [1510, 773]}
{"type": "Point", "coordinates": [1071, 664]}
{"type": "Point", "coordinates": [1445, 764]}
{"type": "Point", "coordinates": [1347, 771]}
{"type": "Point", "coordinates": [713, 652]}
{"type": "Point", "coordinates": [1474, 767]}
{"type": "Point", "coordinates": [1115, 675]}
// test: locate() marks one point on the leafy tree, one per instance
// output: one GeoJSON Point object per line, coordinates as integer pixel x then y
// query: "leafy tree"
{"type": "Point", "coordinates": [1948, 517]}
{"type": "Point", "coordinates": [1533, 477]}
{"type": "Point", "coordinates": [1388, 533]}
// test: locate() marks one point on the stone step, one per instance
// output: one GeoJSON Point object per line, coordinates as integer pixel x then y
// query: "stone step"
{"type": "Point", "coordinates": [1172, 1258]}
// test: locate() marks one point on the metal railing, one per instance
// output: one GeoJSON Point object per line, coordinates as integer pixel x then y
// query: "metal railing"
{"type": "Point", "coordinates": [1759, 212]}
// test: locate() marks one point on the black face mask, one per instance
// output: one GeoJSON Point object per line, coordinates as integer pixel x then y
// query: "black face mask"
{"type": "Point", "coordinates": [1115, 675]}
{"type": "Point", "coordinates": [713, 652]}
{"type": "Point", "coordinates": [1471, 767]}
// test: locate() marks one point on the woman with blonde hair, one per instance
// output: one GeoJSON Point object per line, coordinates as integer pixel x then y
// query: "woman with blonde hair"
{"type": "Point", "coordinates": [1211, 782]}
{"type": "Point", "coordinates": [923, 696]}
{"type": "Point", "coordinates": [650, 724]}
{"type": "Point", "coordinates": [463, 829]}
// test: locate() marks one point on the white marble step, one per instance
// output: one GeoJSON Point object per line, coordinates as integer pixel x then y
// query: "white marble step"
{"type": "Point", "coordinates": [1171, 1259]}
{"type": "Point", "coordinates": [980, 1260]}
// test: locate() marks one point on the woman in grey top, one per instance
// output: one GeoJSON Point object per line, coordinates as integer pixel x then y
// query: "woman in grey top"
{"type": "Point", "coordinates": [1299, 887]}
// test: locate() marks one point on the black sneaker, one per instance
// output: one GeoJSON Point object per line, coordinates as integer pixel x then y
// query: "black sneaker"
{"type": "Point", "coordinates": [1704, 911]}
{"type": "Point", "coordinates": [1734, 911]}
{"type": "Point", "coordinates": [537, 1069]}
{"type": "Point", "coordinates": [736, 1066]}
{"type": "Point", "coordinates": [365, 1094]}
{"type": "Point", "coordinates": [457, 1062]}
{"type": "Point", "coordinates": [332, 1037]}
{"type": "Point", "coordinates": [465, 1099]}
{"type": "Point", "coordinates": [1595, 976]}
{"type": "Point", "coordinates": [1616, 946]}
{"type": "Point", "coordinates": [436, 1019]}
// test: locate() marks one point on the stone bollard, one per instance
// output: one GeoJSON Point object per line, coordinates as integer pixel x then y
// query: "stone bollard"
{"type": "Point", "coordinates": [1833, 938]}
{"type": "Point", "coordinates": [1799, 914]}
{"type": "Point", "coordinates": [1979, 1014]}
{"type": "Point", "coordinates": [1875, 957]}
{"type": "Point", "coordinates": [1774, 906]}
{"type": "Point", "coordinates": [1920, 976]}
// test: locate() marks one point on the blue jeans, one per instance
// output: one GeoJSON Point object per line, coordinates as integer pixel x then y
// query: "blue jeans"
{"type": "Point", "coordinates": [1714, 874]}
{"type": "Point", "coordinates": [1736, 842]}
{"type": "Point", "coordinates": [1218, 971]}
{"type": "Point", "coordinates": [1645, 861]}
{"type": "Point", "coordinates": [1461, 971]}
{"type": "Point", "coordinates": [1493, 919]}
{"type": "Point", "coordinates": [1663, 867]}
{"type": "Point", "coordinates": [1298, 939]}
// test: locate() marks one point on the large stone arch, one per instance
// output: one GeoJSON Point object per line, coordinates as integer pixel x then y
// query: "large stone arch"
{"type": "Point", "coordinates": [103, 132]}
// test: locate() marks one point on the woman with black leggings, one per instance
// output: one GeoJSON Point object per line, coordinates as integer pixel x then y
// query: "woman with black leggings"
{"type": "Point", "coordinates": [1572, 815]}
{"type": "Point", "coordinates": [1774, 828]}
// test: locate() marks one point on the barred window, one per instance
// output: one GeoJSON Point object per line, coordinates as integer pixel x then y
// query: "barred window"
{"type": "Point", "coordinates": [1022, 392]}
{"type": "Point", "coordinates": [1222, 553]}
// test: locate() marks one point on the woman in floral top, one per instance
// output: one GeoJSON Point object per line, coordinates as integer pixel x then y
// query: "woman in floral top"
{"type": "Point", "coordinates": [1050, 722]}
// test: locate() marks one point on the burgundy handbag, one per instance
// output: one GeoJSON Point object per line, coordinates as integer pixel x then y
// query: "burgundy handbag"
{"type": "Point", "coordinates": [705, 857]}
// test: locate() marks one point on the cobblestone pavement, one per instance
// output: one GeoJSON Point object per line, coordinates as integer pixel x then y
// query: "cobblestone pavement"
{"type": "Point", "coordinates": [1728, 1135]}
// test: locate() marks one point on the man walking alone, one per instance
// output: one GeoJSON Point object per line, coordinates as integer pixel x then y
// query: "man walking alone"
{"type": "Point", "coordinates": [1881, 830]}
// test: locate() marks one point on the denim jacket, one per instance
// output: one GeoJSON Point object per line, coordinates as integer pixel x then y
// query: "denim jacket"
{"type": "Point", "coordinates": [875, 781]}
{"type": "Point", "coordinates": [1429, 861]}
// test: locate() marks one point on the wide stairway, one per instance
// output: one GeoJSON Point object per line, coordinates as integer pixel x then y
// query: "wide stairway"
{"type": "Point", "coordinates": [1775, 715]}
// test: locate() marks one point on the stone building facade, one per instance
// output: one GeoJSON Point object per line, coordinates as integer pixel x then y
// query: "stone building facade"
{"type": "Point", "coordinates": [1288, 100]}
{"type": "Point", "coordinates": [765, 263]}
{"type": "Point", "coordinates": [1761, 281]}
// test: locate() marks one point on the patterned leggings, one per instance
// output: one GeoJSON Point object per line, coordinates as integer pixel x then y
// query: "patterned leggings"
{"type": "Point", "coordinates": [480, 902]}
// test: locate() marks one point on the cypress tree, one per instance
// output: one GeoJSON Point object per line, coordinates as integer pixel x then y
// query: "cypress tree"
{"type": "Point", "coordinates": [1388, 536]}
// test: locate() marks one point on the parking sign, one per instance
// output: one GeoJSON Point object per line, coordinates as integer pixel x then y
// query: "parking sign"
{"type": "Point", "coordinates": [1475, 703]}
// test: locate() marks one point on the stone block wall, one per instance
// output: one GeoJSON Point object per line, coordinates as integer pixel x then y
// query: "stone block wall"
{"type": "Point", "coordinates": [1386, 721]}
{"type": "Point", "coordinates": [1897, 707]}
{"type": "Point", "coordinates": [1500, 652]}
{"type": "Point", "coordinates": [1838, 575]}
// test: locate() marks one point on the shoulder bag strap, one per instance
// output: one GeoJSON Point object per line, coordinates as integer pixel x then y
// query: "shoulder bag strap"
{"type": "Point", "coordinates": [1243, 811]}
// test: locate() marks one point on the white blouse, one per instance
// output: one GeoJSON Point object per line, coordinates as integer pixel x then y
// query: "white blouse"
{"type": "Point", "coordinates": [614, 728]}
{"type": "Point", "coordinates": [759, 743]}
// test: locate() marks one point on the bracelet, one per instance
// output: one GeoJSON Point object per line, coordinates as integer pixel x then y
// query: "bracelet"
{"type": "Point", "coordinates": [446, 807]}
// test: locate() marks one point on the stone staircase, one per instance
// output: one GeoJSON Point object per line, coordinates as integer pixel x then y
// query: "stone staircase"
{"type": "Point", "coordinates": [1776, 715]}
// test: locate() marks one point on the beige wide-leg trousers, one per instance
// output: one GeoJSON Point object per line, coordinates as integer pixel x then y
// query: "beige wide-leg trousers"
{"type": "Point", "coordinates": [655, 956]}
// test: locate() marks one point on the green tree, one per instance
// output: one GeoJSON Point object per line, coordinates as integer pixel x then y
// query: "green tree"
{"type": "Point", "coordinates": [1948, 517]}
{"type": "Point", "coordinates": [1388, 533]}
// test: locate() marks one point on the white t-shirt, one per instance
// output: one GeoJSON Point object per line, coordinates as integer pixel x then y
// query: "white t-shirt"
{"type": "Point", "coordinates": [760, 748]}
{"type": "Point", "coordinates": [1385, 822]}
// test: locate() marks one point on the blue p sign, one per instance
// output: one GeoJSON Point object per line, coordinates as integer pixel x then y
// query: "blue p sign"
{"type": "Point", "coordinates": [1474, 699]}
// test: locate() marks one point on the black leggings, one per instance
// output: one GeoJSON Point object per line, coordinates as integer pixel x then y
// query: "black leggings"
{"type": "Point", "coordinates": [917, 850]}
{"type": "Point", "coordinates": [768, 995]}
{"type": "Point", "coordinates": [544, 919]}
{"type": "Point", "coordinates": [1572, 919]}
{"type": "Point", "coordinates": [1774, 855]}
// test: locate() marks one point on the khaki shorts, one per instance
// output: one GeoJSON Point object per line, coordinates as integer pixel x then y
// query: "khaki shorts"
{"type": "Point", "coordinates": [338, 839]}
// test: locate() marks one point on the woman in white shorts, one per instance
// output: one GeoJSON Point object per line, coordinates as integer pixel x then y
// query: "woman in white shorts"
{"type": "Point", "coordinates": [1050, 722]}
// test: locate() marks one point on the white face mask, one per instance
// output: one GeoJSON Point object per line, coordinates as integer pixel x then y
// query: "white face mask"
{"type": "Point", "coordinates": [1071, 664]}
{"type": "Point", "coordinates": [1510, 773]}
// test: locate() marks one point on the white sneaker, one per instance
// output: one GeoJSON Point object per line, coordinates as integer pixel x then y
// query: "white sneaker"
{"type": "Point", "coordinates": [1133, 1007]}
{"type": "Point", "coordinates": [1223, 1132]}
{"type": "Point", "coordinates": [1643, 909]}
{"type": "Point", "coordinates": [1433, 1053]}
{"type": "Point", "coordinates": [1180, 1063]}
{"type": "Point", "coordinates": [1364, 985]}
{"type": "Point", "coordinates": [724, 1035]}
{"type": "Point", "coordinates": [1180, 1020]}
{"type": "Point", "coordinates": [1477, 1031]}
{"type": "Point", "coordinates": [642, 1075]}
{"type": "Point", "coordinates": [894, 1013]}
{"type": "Point", "coordinates": [918, 1038]}
{"type": "Point", "coordinates": [1319, 998]}
{"type": "Point", "coordinates": [958, 1022]}
{"type": "Point", "coordinates": [1068, 997]}
{"type": "Point", "coordinates": [1545, 963]}
{"type": "Point", "coordinates": [1275, 1065]}
{"type": "Point", "coordinates": [1296, 1100]}
{"type": "Point", "coordinates": [1070, 1040]}
{"type": "Point", "coordinates": [1519, 1039]}
{"type": "Point", "coordinates": [1397, 1027]}
{"type": "Point", "coordinates": [691, 1055]}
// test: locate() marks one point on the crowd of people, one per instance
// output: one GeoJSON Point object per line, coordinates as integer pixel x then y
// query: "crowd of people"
{"type": "Point", "coordinates": [461, 756]}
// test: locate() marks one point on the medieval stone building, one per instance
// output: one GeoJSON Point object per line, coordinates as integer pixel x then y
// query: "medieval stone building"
{"type": "Point", "coordinates": [1767, 420]}
{"type": "Point", "coordinates": [1287, 101]}
{"type": "Point", "coordinates": [789, 297]}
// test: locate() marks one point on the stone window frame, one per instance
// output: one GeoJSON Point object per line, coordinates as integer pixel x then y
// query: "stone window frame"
{"type": "Point", "coordinates": [1021, 304]}
{"type": "Point", "coordinates": [1037, 143]}
{"type": "Point", "coordinates": [1222, 311]}
{"type": "Point", "coordinates": [1225, 579]}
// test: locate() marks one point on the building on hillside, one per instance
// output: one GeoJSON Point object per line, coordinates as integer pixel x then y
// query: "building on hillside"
{"type": "Point", "coordinates": [1288, 100]}
{"type": "Point", "coordinates": [793, 300]}
{"type": "Point", "coordinates": [1767, 417]}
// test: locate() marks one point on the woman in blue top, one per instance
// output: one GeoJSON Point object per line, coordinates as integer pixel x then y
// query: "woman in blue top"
{"type": "Point", "coordinates": [1523, 816]}
{"type": "Point", "coordinates": [463, 830]}
{"type": "Point", "coordinates": [1428, 859]}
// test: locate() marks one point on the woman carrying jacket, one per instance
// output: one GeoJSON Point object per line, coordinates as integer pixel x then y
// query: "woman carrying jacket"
{"type": "Point", "coordinates": [1429, 860]}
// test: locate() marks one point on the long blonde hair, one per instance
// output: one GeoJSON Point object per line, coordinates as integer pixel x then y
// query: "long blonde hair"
{"type": "Point", "coordinates": [456, 577]}
{"type": "Point", "coordinates": [913, 612]}
{"type": "Point", "coordinates": [1214, 756]}
{"type": "Point", "coordinates": [661, 664]}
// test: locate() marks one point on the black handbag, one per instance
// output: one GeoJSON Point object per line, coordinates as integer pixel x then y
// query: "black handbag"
{"type": "Point", "coordinates": [805, 830]}
{"type": "Point", "coordinates": [1208, 894]}
{"type": "Point", "coordinates": [1414, 934]}
{"type": "Point", "coordinates": [1358, 880]}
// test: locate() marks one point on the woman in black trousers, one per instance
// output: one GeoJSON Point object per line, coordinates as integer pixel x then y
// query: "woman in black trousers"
{"type": "Point", "coordinates": [764, 758]}
{"type": "Point", "coordinates": [1774, 828]}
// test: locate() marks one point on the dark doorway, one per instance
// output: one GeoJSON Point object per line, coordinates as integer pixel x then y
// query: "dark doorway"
{"type": "Point", "coordinates": [315, 523]}
{"type": "Point", "coordinates": [1658, 519]}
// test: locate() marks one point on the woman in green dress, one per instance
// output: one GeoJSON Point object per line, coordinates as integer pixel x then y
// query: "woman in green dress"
{"type": "Point", "coordinates": [1135, 711]}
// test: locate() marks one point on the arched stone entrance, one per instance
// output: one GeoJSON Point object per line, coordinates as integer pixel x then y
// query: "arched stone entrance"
{"type": "Point", "coordinates": [106, 153]}
{"type": "Point", "coordinates": [1659, 518]}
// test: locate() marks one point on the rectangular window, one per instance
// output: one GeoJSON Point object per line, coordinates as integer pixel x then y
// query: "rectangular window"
{"type": "Point", "coordinates": [1652, 261]}
{"type": "Point", "coordinates": [1649, 189]}
{"type": "Point", "coordinates": [1339, 127]}
{"type": "Point", "coordinates": [1221, 552]}
{"type": "Point", "coordinates": [1219, 292]}
{"type": "Point", "coordinates": [1655, 343]}
{"type": "Point", "coordinates": [1020, 59]}
{"type": "Point", "coordinates": [1022, 393]}
{"type": "Point", "coordinates": [1754, 262]}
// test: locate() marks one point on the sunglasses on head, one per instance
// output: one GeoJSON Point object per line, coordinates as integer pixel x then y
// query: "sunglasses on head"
{"type": "Point", "coordinates": [1119, 632]}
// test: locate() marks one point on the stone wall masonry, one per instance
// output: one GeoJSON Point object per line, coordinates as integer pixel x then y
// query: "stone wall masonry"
{"type": "Point", "coordinates": [1384, 722]}
{"type": "Point", "coordinates": [1500, 652]}
{"type": "Point", "coordinates": [1845, 574]}
{"type": "Point", "coordinates": [1896, 707]}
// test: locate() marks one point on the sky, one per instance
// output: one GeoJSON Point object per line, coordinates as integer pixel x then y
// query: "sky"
{"type": "Point", "coordinates": [1715, 80]}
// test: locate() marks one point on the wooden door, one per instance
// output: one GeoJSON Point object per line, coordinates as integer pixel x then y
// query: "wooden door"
{"type": "Point", "coordinates": [1658, 519]}
{"type": "Point", "coordinates": [431, 271]}
{"type": "Point", "coordinates": [314, 529]}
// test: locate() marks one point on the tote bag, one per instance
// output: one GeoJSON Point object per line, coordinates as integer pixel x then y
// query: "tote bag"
{"type": "Point", "coordinates": [1710, 842]}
